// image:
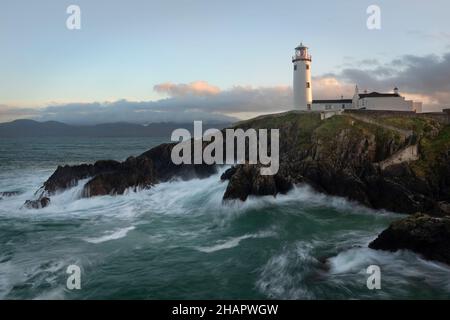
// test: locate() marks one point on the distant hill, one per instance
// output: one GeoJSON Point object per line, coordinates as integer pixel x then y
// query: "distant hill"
{"type": "Point", "coordinates": [31, 128]}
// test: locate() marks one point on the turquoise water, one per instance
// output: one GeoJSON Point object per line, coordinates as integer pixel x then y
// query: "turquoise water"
{"type": "Point", "coordinates": [179, 241]}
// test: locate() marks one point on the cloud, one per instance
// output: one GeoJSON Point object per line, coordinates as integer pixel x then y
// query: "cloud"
{"type": "Point", "coordinates": [329, 87]}
{"type": "Point", "coordinates": [197, 88]}
{"type": "Point", "coordinates": [185, 103]}
{"type": "Point", "coordinates": [127, 111]}
{"type": "Point", "coordinates": [188, 102]}
{"type": "Point", "coordinates": [426, 76]}
{"type": "Point", "coordinates": [422, 78]}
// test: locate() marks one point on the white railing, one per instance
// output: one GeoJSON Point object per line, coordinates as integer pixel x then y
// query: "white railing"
{"type": "Point", "coordinates": [302, 57]}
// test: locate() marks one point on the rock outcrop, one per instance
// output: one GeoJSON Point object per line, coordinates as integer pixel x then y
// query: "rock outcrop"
{"type": "Point", "coordinates": [340, 156]}
{"type": "Point", "coordinates": [426, 235]}
{"type": "Point", "coordinates": [109, 177]}
{"type": "Point", "coordinates": [66, 177]}
{"type": "Point", "coordinates": [37, 204]}
{"type": "Point", "coordinates": [246, 180]}
{"type": "Point", "coordinates": [7, 194]}
{"type": "Point", "coordinates": [137, 173]}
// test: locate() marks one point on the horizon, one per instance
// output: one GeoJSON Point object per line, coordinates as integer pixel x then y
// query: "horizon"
{"type": "Point", "coordinates": [104, 123]}
{"type": "Point", "coordinates": [148, 63]}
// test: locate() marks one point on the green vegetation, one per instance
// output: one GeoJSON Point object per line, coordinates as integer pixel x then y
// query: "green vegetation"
{"type": "Point", "coordinates": [302, 126]}
{"type": "Point", "coordinates": [295, 128]}
{"type": "Point", "coordinates": [299, 130]}
{"type": "Point", "coordinates": [431, 150]}
{"type": "Point", "coordinates": [420, 126]}
{"type": "Point", "coordinates": [330, 127]}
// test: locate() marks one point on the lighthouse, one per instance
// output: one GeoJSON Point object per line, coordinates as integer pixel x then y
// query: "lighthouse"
{"type": "Point", "coordinates": [302, 78]}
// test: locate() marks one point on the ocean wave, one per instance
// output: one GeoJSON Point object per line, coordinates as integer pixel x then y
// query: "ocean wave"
{"type": "Point", "coordinates": [234, 242]}
{"type": "Point", "coordinates": [308, 198]}
{"type": "Point", "coordinates": [319, 248]}
{"type": "Point", "coordinates": [110, 235]}
{"type": "Point", "coordinates": [397, 268]}
{"type": "Point", "coordinates": [285, 275]}
{"type": "Point", "coordinates": [176, 197]}
{"type": "Point", "coordinates": [35, 275]}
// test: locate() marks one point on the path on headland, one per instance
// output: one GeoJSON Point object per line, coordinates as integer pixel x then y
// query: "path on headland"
{"type": "Point", "coordinates": [409, 153]}
{"type": "Point", "coordinates": [404, 133]}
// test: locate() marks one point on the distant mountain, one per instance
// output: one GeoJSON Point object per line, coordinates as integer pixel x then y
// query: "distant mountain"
{"type": "Point", "coordinates": [31, 128]}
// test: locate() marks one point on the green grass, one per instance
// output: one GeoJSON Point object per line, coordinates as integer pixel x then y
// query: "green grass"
{"type": "Point", "coordinates": [421, 126]}
{"type": "Point", "coordinates": [300, 130]}
{"type": "Point", "coordinates": [431, 149]}
{"type": "Point", "coordinates": [295, 128]}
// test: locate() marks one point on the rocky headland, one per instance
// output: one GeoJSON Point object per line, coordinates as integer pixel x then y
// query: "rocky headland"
{"type": "Point", "coordinates": [392, 162]}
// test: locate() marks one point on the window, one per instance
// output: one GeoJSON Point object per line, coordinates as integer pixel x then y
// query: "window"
{"type": "Point", "coordinates": [307, 67]}
{"type": "Point", "coordinates": [295, 67]}
{"type": "Point", "coordinates": [308, 85]}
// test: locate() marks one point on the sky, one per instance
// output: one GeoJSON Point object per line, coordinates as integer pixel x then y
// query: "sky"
{"type": "Point", "coordinates": [181, 60]}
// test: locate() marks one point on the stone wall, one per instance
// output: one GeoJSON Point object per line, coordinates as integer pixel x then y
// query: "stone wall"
{"type": "Point", "coordinates": [410, 153]}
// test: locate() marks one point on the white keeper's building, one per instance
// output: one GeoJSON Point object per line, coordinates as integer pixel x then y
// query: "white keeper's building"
{"type": "Point", "coordinates": [303, 98]}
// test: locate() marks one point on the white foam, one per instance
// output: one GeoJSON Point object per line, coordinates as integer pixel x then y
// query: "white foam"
{"type": "Point", "coordinates": [283, 276]}
{"type": "Point", "coordinates": [30, 269]}
{"type": "Point", "coordinates": [234, 242]}
{"type": "Point", "coordinates": [8, 277]}
{"type": "Point", "coordinates": [398, 269]}
{"type": "Point", "coordinates": [195, 197]}
{"type": "Point", "coordinates": [111, 235]}
{"type": "Point", "coordinates": [53, 294]}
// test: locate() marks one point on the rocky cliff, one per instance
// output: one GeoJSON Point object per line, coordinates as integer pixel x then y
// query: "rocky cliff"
{"type": "Point", "coordinates": [364, 161]}
{"type": "Point", "coordinates": [401, 164]}
{"type": "Point", "coordinates": [429, 236]}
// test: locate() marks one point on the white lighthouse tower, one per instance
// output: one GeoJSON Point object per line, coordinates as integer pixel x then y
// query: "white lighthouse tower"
{"type": "Point", "coordinates": [302, 78]}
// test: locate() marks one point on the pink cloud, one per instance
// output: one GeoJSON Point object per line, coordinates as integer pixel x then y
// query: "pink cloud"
{"type": "Point", "coordinates": [328, 87]}
{"type": "Point", "coordinates": [196, 88]}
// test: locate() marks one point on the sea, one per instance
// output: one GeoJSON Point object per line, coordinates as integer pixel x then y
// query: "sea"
{"type": "Point", "coordinates": [179, 240]}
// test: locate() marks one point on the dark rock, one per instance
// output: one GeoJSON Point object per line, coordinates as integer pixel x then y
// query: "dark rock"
{"type": "Point", "coordinates": [444, 207]}
{"type": "Point", "coordinates": [133, 173]}
{"type": "Point", "coordinates": [37, 204]}
{"type": "Point", "coordinates": [240, 185]}
{"type": "Point", "coordinates": [247, 180]}
{"type": "Point", "coordinates": [68, 176]}
{"type": "Point", "coordinates": [9, 193]}
{"type": "Point", "coordinates": [228, 173]}
{"type": "Point", "coordinates": [421, 233]}
{"type": "Point", "coordinates": [165, 169]}
{"type": "Point", "coordinates": [108, 177]}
